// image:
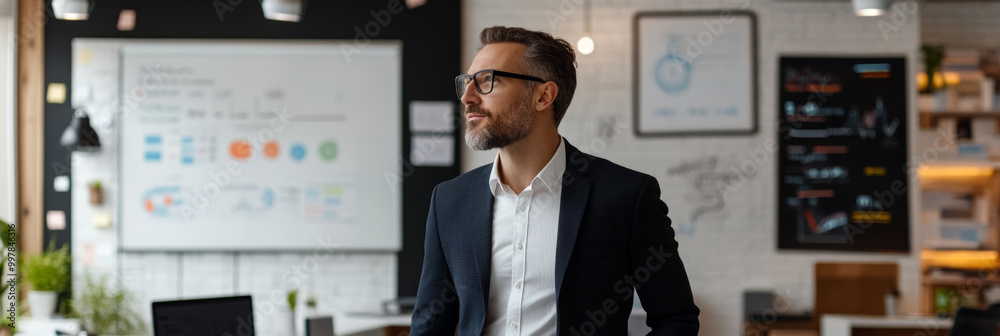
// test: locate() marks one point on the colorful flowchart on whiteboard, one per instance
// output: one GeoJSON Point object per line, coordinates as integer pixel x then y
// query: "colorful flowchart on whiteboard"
{"type": "Point", "coordinates": [245, 146]}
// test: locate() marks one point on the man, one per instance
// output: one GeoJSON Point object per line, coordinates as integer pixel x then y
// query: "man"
{"type": "Point", "coordinates": [546, 240]}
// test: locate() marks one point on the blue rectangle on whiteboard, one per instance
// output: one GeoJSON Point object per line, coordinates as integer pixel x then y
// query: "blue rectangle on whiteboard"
{"type": "Point", "coordinates": [153, 156]}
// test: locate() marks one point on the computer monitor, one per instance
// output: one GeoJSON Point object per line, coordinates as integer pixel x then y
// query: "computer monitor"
{"type": "Point", "coordinates": [225, 316]}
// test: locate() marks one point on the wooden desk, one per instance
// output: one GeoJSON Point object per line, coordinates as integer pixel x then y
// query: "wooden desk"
{"type": "Point", "coordinates": [862, 325]}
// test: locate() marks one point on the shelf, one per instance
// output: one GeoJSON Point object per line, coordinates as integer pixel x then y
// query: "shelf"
{"type": "Point", "coordinates": [971, 281]}
{"type": "Point", "coordinates": [962, 163]}
{"type": "Point", "coordinates": [959, 259]}
{"type": "Point", "coordinates": [929, 119]}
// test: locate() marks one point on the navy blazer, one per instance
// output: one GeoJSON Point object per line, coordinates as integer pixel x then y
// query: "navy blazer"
{"type": "Point", "coordinates": [614, 235]}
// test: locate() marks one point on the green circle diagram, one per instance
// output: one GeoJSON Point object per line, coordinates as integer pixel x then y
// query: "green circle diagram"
{"type": "Point", "coordinates": [328, 150]}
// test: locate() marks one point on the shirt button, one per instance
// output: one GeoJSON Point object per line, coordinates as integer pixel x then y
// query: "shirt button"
{"type": "Point", "coordinates": [520, 247]}
{"type": "Point", "coordinates": [517, 285]}
{"type": "Point", "coordinates": [513, 325]}
{"type": "Point", "coordinates": [522, 208]}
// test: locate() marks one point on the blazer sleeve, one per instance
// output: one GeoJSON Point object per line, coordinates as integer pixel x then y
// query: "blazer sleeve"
{"type": "Point", "coordinates": [665, 293]}
{"type": "Point", "coordinates": [436, 309]}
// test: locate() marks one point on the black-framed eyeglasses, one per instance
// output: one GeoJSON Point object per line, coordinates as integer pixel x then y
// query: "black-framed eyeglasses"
{"type": "Point", "coordinates": [484, 80]}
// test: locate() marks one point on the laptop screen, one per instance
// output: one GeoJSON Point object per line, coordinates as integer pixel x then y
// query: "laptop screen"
{"type": "Point", "coordinates": [228, 316]}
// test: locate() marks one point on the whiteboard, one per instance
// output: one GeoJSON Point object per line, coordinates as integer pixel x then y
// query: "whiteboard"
{"type": "Point", "coordinates": [259, 146]}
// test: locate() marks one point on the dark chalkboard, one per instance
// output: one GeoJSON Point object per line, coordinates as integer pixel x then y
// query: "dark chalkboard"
{"type": "Point", "coordinates": [842, 171]}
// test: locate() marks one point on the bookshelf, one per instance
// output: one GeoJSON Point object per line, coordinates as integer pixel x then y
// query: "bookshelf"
{"type": "Point", "coordinates": [961, 229]}
{"type": "Point", "coordinates": [930, 119]}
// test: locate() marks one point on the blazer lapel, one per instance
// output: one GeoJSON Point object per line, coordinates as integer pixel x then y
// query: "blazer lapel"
{"type": "Point", "coordinates": [575, 192]}
{"type": "Point", "coordinates": [482, 233]}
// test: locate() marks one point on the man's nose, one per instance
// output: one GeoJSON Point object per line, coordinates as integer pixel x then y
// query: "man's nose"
{"type": "Point", "coordinates": [471, 96]}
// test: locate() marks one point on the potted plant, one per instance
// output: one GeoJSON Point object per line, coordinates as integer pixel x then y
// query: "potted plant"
{"type": "Point", "coordinates": [104, 309]}
{"type": "Point", "coordinates": [48, 276]}
{"type": "Point", "coordinates": [930, 99]}
{"type": "Point", "coordinates": [96, 193]}
{"type": "Point", "coordinates": [292, 299]}
{"type": "Point", "coordinates": [311, 305]}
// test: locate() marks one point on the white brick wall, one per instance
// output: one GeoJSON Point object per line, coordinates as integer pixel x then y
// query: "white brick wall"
{"type": "Point", "coordinates": [961, 24]}
{"type": "Point", "coordinates": [734, 249]}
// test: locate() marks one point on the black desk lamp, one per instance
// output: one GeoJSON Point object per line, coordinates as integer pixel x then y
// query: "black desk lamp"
{"type": "Point", "coordinates": [79, 136]}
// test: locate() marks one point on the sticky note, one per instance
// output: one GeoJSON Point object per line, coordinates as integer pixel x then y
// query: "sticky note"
{"type": "Point", "coordinates": [126, 20]}
{"type": "Point", "coordinates": [56, 94]}
{"type": "Point", "coordinates": [61, 183]}
{"type": "Point", "coordinates": [89, 254]}
{"type": "Point", "coordinates": [432, 116]}
{"type": "Point", "coordinates": [55, 219]}
{"type": "Point", "coordinates": [434, 151]}
{"type": "Point", "coordinates": [101, 220]}
{"type": "Point", "coordinates": [85, 56]}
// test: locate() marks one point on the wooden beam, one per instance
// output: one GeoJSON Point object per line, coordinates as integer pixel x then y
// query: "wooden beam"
{"type": "Point", "coordinates": [30, 124]}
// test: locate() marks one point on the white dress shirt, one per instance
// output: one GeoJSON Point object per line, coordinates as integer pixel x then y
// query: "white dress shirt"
{"type": "Point", "coordinates": [522, 297]}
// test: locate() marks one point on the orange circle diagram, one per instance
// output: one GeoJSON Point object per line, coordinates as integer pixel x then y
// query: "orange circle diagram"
{"type": "Point", "coordinates": [271, 150]}
{"type": "Point", "coordinates": [240, 150]}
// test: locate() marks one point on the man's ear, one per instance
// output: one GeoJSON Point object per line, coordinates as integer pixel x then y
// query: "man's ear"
{"type": "Point", "coordinates": [545, 95]}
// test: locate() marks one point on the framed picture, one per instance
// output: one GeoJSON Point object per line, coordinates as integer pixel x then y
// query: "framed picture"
{"type": "Point", "coordinates": [695, 73]}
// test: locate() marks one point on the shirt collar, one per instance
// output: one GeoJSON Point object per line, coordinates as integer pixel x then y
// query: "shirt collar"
{"type": "Point", "coordinates": [550, 176]}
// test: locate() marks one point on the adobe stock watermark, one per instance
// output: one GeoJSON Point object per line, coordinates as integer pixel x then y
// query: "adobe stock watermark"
{"type": "Point", "coordinates": [697, 43]}
{"type": "Point", "coordinates": [759, 325]}
{"type": "Point", "coordinates": [220, 179]}
{"type": "Point", "coordinates": [438, 305]}
{"type": "Point", "coordinates": [897, 188]}
{"type": "Point", "coordinates": [900, 14]}
{"type": "Point", "coordinates": [625, 287]}
{"type": "Point", "coordinates": [362, 37]}
{"type": "Point", "coordinates": [11, 281]}
{"type": "Point", "coordinates": [566, 8]}
{"type": "Point", "coordinates": [421, 151]}
{"type": "Point", "coordinates": [224, 6]}
{"type": "Point", "coordinates": [150, 81]}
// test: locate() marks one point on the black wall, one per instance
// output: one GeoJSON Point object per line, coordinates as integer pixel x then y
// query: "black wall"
{"type": "Point", "coordinates": [431, 36]}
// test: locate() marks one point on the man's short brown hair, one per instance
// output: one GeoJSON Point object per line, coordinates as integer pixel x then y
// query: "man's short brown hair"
{"type": "Point", "coordinates": [546, 57]}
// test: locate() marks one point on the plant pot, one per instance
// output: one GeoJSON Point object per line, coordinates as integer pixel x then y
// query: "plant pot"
{"type": "Point", "coordinates": [96, 196]}
{"type": "Point", "coordinates": [938, 101]}
{"type": "Point", "coordinates": [926, 102]}
{"type": "Point", "coordinates": [282, 323]}
{"type": "Point", "coordinates": [42, 303]}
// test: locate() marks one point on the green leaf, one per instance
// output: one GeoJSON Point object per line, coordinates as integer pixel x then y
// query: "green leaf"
{"type": "Point", "coordinates": [49, 271]}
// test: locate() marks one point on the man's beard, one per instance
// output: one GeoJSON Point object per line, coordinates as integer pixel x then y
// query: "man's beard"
{"type": "Point", "coordinates": [504, 128]}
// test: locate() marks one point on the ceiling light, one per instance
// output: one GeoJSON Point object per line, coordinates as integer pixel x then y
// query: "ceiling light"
{"type": "Point", "coordinates": [282, 10]}
{"type": "Point", "coordinates": [585, 45]}
{"type": "Point", "coordinates": [71, 9]}
{"type": "Point", "coordinates": [870, 7]}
